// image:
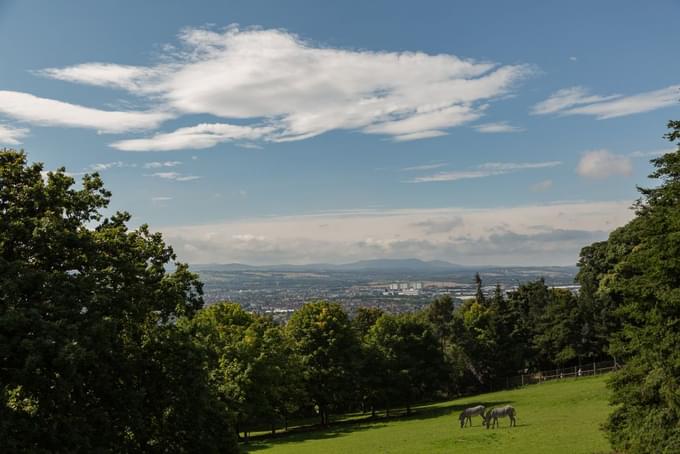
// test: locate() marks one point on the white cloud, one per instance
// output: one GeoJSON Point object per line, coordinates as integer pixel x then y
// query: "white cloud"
{"type": "Point", "coordinates": [10, 135]}
{"type": "Point", "coordinates": [650, 153]}
{"type": "Point", "coordinates": [600, 164]}
{"type": "Point", "coordinates": [161, 164]}
{"type": "Point", "coordinates": [285, 88]}
{"type": "Point", "coordinates": [424, 167]}
{"type": "Point", "coordinates": [193, 137]}
{"type": "Point", "coordinates": [500, 127]}
{"type": "Point", "coordinates": [175, 176]}
{"type": "Point", "coordinates": [484, 170]}
{"type": "Point", "coordinates": [542, 186]}
{"type": "Point", "coordinates": [577, 101]}
{"type": "Point", "coordinates": [103, 75]}
{"type": "Point", "coordinates": [419, 135]}
{"type": "Point", "coordinates": [50, 112]}
{"type": "Point", "coordinates": [522, 235]}
{"type": "Point", "coordinates": [566, 98]}
{"type": "Point", "coordinates": [109, 165]}
{"type": "Point", "coordinates": [161, 199]}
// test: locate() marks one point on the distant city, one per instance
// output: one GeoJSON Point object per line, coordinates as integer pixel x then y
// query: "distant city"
{"type": "Point", "coordinates": [394, 286]}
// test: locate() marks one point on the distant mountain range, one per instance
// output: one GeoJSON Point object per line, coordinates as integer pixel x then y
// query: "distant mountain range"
{"type": "Point", "coordinates": [412, 265]}
{"type": "Point", "coordinates": [362, 265]}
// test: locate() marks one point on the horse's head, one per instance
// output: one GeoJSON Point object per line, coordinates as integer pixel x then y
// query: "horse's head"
{"type": "Point", "coordinates": [462, 419]}
{"type": "Point", "coordinates": [487, 418]}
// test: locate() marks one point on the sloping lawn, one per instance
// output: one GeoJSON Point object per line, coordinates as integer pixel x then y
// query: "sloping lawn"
{"type": "Point", "coordinates": [554, 417]}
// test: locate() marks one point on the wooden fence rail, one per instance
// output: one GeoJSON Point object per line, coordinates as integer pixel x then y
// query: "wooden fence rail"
{"type": "Point", "coordinates": [585, 370]}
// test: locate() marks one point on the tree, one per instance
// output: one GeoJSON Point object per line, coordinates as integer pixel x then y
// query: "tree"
{"type": "Point", "coordinates": [90, 357]}
{"type": "Point", "coordinates": [252, 366]}
{"type": "Point", "coordinates": [479, 294]}
{"type": "Point", "coordinates": [365, 318]}
{"type": "Point", "coordinates": [411, 362]}
{"type": "Point", "coordinates": [642, 274]}
{"type": "Point", "coordinates": [328, 348]}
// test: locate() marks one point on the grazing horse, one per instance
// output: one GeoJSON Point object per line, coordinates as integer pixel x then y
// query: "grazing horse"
{"type": "Point", "coordinates": [492, 416]}
{"type": "Point", "coordinates": [468, 413]}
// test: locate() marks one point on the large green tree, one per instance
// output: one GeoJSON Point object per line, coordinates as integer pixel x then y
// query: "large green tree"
{"type": "Point", "coordinates": [251, 364]}
{"type": "Point", "coordinates": [90, 357]}
{"type": "Point", "coordinates": [640, 272]}
{"type": "Point", "coordinates": [411, 361]}
{"type": "Point", "coordinates": [328, 348]}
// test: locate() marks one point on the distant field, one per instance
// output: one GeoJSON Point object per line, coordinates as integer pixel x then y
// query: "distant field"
{"type": "Point", "coordinates": [554, 417]}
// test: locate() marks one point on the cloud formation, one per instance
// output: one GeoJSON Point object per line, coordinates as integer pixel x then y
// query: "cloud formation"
{"type": "Point", "coordinates": [577, 101]}
{"type": "Point", "coordinates": [193, 137]}
{"type": "Point", "coordinates": [10, 135]}
{"type": "Point", "coordinates": [542, 186]}
{"type": "Point", "coordinates": [161, 164]}
{"type": "Point", "coordinates": [495, 128]}
{"type": "Point", "coordinates": [600, 164]}
{"type": "Point", "coordinates": [174, 176]}
{"type": "Point", "coordinates": [522, 235]}
{"type": "Point", "coordinates": [272, 85]}
{"type": "Point", "coordinates": [49, 112]}
{"type": "Point", "coordinates": [484, 170]}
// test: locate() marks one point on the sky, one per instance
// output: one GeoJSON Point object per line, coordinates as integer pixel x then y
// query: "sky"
{"type": "Point", "coordinates": [268, 132]}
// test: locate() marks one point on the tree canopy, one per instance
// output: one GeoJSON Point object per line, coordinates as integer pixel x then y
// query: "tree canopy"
{"type": "Point", "coordinates": [90, 357]}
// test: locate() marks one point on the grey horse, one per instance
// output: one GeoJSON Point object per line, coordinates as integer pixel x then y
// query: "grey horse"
{"type": "Point", "coordinates": [468, 413]}
{"type": "Point", "coordinates": [492, 416]}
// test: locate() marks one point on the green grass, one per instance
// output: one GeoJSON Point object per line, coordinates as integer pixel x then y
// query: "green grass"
{"type": "Point", "coordinates": [554, 417]}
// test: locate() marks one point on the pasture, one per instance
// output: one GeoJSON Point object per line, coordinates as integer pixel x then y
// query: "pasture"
{"type": "Point", "coordinates": [553, 417]}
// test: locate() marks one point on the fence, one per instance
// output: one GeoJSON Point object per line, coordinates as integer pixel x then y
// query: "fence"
{"type": "Point", "coordinates": [585, 370]}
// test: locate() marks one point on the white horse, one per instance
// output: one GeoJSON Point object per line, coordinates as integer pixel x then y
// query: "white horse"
{"type": "Point", "coordinates": [492, 416]}
{"type": "Point", "coordinates": [468, 413]}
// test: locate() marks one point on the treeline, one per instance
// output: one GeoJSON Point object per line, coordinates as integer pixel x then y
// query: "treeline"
{"type": "Point", "coordinates": [103, 349]}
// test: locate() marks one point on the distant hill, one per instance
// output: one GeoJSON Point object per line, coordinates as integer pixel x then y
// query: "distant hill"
{"type": "Point", "coordinates": [362, 265]}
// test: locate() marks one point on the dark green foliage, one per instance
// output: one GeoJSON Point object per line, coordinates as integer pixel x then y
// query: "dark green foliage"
{"type": "Point", "coordinates": [638, 270]}
{"type": "Point", "coordinates": [251, 364]}
{"type": "Point", "coordinates": [90, 360]}
{"type": "Point", "coordinates": [365, 318]}
{"type": "Point", "coordinates": [411, 364]}
{"type": "Point", "coordinates": [328, 348]}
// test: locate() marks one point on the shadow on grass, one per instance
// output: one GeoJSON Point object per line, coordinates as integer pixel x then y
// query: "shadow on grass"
{"type": "Point", "coordinates": [343, 427]}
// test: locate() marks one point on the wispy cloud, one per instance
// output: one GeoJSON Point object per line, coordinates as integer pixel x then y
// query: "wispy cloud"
{"type": "Point", "coordinates": [601, 164]}
{"type": "Point", "coordinates": [193, 137]}
{"type": "Point", "coordinates": [109, 165]}
{"type": "Point", "coordinates": [499, 127]}
{"type": "Point", "coordinates": [161, 199]}
{"type": "Point", "coordinates": [541, 186]}
{"type": "Point", "coordinates": [175, 176]}
{"type": "Point", "coordinates": [650, 153]}
{"type": "Point", "coordinates": [10, 135]}
{"type": "Point", "coordinates": [424, 167]}
{"type": "Point", "coordinates": [484, 170]}
{"type": "Point", "coordinates": [50, 112]}
{"type": "Point", "coordinates": [280, 88]}
{"type": "Point", "coordinates": [161, 164]}
{"type": "Point", "coordinates": [577, 101]}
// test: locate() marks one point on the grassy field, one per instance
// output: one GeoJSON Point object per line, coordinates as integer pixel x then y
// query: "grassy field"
{"type": "Point", "coordinates": [554, 417]}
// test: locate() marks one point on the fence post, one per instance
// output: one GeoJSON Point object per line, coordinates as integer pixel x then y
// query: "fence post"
{"type": "Point", "coordinates": [594, 369]}
{"type": "Point", "coordinates": [522, 379]}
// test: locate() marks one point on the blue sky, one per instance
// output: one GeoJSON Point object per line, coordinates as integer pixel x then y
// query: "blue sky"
{"type": "Point", "coordinates": [271, 132]}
